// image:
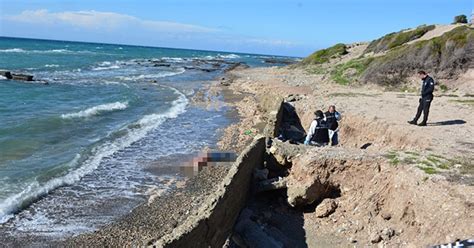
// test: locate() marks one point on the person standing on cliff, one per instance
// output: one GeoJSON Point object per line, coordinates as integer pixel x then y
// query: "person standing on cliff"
{"type": "Point", "coordinates": [427, 89]}
{"type": "Point", "coordinates": [332, 118]}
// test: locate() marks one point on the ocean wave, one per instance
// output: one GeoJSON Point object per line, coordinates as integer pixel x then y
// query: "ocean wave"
{"type": "Point", "coordinates": [105, 68]}
{"type": "Point", "coordinates": [20, 50]}
{"type": "Point", "coordinates": [58, 51]}
{"type": "Point", "coordinates": [108, 107]}
{"type": "Point", "coordinates": [105, 63]}
{"type": "Point", "coordinates": [115, 83]}
{"type": "Point", "coordinates": [219, 56]}
{"type": "Point", "coordinates": [12, 50]}
{"type": "Point", "coordinates": [152, 76]}
{"type": "Point", "coordinates": [51, 65]}
{"type": "Point", "coordinates": [172, 59]}
{"type": "Point", "coordinates": [229, 56]}
{"type": "Point", "coordinates": [35, 190]}
{"type": "Point", "coordinates": [32, 192]}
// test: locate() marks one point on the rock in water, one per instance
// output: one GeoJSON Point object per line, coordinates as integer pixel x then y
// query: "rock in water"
{"type": "Point", "coordinates": [22, 77]}
{"type": "Point", "coordinates": [6, 74]}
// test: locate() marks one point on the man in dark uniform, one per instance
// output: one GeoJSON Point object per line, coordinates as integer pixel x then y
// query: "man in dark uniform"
{"type": "Point", "coordinates": [427, 89]}
{"type": "Point", "coordinates": [318, 131]}
{"type": "Point", "coordinates": [332, 118]}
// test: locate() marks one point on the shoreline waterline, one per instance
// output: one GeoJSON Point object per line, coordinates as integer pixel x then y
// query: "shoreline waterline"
{"type": "Point", "coordinates": [85, 150]}
{"type": "Point", "coordinates": [172, 166]}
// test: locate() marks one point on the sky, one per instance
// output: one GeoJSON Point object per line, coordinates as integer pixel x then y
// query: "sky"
{"type": "Point", "coordinates": [276, 27]}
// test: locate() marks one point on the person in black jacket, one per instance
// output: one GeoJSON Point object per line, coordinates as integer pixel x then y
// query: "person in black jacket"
{"type": "Point", "coordinates": [332, 119]}
{"type": "Point", "coordinates": [427, 89]}
{"type": "Point", "coordinates": [318, 131]}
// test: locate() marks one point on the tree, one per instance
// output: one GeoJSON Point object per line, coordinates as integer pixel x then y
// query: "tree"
{"type": "Point", "coordinates": [460, 19]}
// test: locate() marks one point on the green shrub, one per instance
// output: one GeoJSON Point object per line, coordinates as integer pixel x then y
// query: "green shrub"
{"type": "Point", "coordinates": [316, 70]}
{"type": "Point", "coordinates": [443, 87]}
{"type": "Point", "coordinates": [460, 19]}
{"type": "Point", "coordinates": [447, 53]}
{"type": "Point", "coordinates": [360, 65]}
{"type": "Point", "coordinates": [323, 56]}
{"type": "Point", "coordinates": [428, 170]}
{"type": "Point", "coordinates": [407, 36]}
{"type": "Point", "coordinates": [393, 40]}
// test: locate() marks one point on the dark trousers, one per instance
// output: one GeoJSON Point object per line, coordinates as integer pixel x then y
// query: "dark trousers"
{"type": "Point", "coordinates": [424, 107]}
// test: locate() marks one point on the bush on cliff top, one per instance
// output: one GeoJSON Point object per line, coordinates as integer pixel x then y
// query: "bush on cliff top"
{"type": "Point", "coordinates": [323, 56]}
{"type": "Point", "coordinates": [445, 56]}
{"type": "Point", "coordinates": [460, 19]}
{"type": "Point", "coordinates": [393, 40]}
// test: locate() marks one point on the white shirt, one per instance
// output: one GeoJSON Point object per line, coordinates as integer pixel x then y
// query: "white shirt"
{"type": "Point", "coordinates": [314, 124]}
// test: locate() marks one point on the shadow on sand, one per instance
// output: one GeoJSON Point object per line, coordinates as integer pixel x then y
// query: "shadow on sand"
{"type": "Point", "coordinates": [447, 123]}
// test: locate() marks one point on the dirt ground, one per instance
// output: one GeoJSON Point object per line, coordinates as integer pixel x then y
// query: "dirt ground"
{"type": "Point", "coordinates": [414, 184]}
{"type": "Point", "coordinates": [369, 114]}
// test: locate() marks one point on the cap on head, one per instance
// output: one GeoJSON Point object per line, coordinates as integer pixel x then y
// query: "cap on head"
{"type": "Point", "coordinates": [319, 114]}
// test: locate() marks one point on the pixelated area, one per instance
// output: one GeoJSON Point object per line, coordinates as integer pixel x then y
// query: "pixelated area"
{"type": "Point", "coordinates": [204, 159]}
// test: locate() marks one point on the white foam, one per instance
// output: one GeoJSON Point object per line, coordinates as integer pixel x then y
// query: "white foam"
{"type": "Point", "coordinates": [115, 83]}
{"type": "Point", "coordinates": [51, 65]}
{"type": "Point", "coordinates": [108, 107]}
{"type": "Point", "coordinates": [147, 123]}
{"type": "Point", "coordinates": [172, 59]}
{"type": "Point", "coordinates": [58, 51]}
{"type": "Point", "coordinates": [151, 76]}
{"type": "Point", "coordinates": [105, 63]}
{"type": "Point", "coordinates": [229, 56]}
{"type": "Point", "coordinates": [3, 77]}
{"type": "Point", "coordinates": [13, 50]}
{"type": "Point", "coordinates": [30, 193]}
{"type": "Point", "coordinates": [106, 68]}
{"type": "Point", "coordinates": [19, 50]}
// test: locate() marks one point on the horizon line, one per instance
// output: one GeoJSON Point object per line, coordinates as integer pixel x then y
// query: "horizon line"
{"type": "Point", "coordinates": [149, 46]}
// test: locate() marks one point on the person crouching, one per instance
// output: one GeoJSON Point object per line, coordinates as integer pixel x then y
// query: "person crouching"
{"type": "Point", "coordinates": [318, 131]}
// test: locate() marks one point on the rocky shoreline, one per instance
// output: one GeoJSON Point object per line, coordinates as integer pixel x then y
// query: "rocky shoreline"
{"type": "Point", "coordinates": [311, 197]}
{"type": "Point", "coordinates": [163, 211]}
{"type": "Point", "coordinates": [301, 196]}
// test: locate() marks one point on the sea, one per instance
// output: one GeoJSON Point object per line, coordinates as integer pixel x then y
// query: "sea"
{"type": "Point", "coordinates": [76, 145]}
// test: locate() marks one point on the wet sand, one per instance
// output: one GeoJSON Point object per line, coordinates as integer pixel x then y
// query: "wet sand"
{"type": "Point", "coordinates": [150, 221]}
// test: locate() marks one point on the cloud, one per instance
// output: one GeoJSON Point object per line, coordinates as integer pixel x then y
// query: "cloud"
{"type": "Point", "coordinates": [110, 27]}
{"type": "Point", "coordinates": [107, 21]}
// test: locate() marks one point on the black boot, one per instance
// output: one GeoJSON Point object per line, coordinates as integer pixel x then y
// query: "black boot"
{"type": "Point", "coordinates": [412, 122]}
